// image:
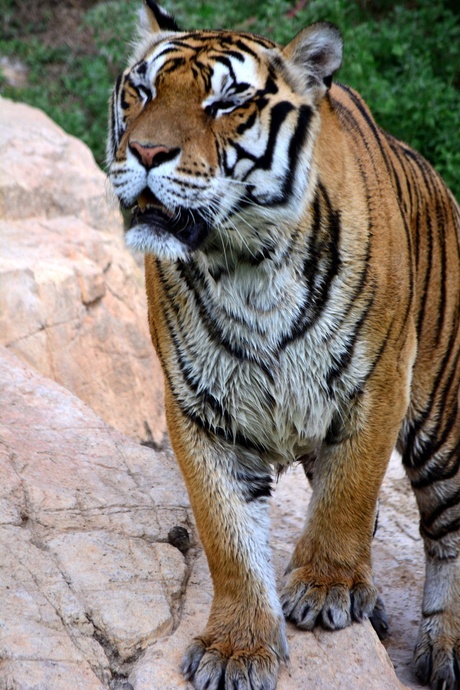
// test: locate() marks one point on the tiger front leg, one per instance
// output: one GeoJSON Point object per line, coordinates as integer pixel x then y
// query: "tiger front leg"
{"type": "Point", "coordinates": [244, 640]}
{"type": "Point", "coordinates": [329, 579]}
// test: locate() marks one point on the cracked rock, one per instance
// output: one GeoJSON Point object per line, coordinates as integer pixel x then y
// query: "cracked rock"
{"type": "Point", "coordinates": [87, 578]}
{"type": "Point", "coordinates": [127, 585]}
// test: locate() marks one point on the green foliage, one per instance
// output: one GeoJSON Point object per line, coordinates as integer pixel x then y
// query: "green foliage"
{"type": "Point", "coordinates": [403, 57]}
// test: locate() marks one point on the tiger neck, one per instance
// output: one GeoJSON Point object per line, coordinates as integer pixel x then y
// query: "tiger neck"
{"type": "Point", "coordinates": [264, 298]}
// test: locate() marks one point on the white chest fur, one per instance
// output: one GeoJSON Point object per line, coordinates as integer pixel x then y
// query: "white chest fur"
{"type": "Point", "coordinates": [248, 360]}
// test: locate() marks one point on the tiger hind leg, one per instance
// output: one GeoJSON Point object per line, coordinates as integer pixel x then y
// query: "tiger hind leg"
{"type": "Point", "coordinates": [432, 460]}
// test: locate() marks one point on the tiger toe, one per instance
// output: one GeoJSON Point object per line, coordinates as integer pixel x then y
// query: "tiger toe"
{"type": "Point", "coordinates": [437, 655]}
{"type": "Point", "coordinates": [332, 605]}
{"type": "Point", "coordinates": [215, 668]}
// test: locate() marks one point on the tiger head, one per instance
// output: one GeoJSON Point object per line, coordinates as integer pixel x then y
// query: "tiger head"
{"type": "Point", "coordinates": [212, 134]}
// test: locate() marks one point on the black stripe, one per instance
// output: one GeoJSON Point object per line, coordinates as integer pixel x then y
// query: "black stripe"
{"type": "Point", "coordinates": [196, 284]}
{"type": "Point", "coordinates": [252, 38]}
{"type": "Point", "coordinates": [440, 532]}
{"type": "Point", "coordinates": [224, 434]}
{"type": "Point", "coordinates": [379, 354]}
{"type": "Point", "coordinates": [428, 448]}
{"type": "Point", "coordinates": [395, 176]}
{"type": "Point", "coordinates": [413, 458]}
{"type": "Point", "coordinates": [429, 518]}
{"type": "Point", "coordinates": [278, 114]}
{"type": "Point", "coordinates": [376, 131]}
{"type": "Point", "coordinates": [237, 439]}
{"type": "Point", "coordinates": [404, 210]}
{"type": "Point", "coordinates": [434, 192]}
{"type": "Point", "coordinates": [271, 87]}
{"type": "Point", "coordinates": [141, 68]}
{"type": "Point", "coordinates": [229, 52]}
{"type": "Point", "coordinates": [114, 130]}
{"type": "Point", "coordinates": [172, 64]}
{"type": "Point", "coordinates": [254, 486]}
{"type": "Point", "coordinates": [243, 127]}
{"type": "Point", "coordinates": [352, 126]}
{"type": "Point", "coordinates": [321, 265]}
{"type": "Point", "coordinates": [295, 147]}
{"type": "Point", "coordinates": [117, 85]}
{"type": "Point", "coordinates": [414, 185]}
{"type": "Point", "coordinates": [438, 473]}
{"type": "Point", "coordinates": [397, 150]}
{"type": "Point", "coordinates": [346, 357]}
{"type": "Point", "coordinates": [223, 59]}
{"type": "Point", "coordinates": [377, 134]}
{"type": "Point", "coordinates": [171, 48]}
{"type": "Point", "coordinates": [264, 253]}
{"type": "Point", "coordinates": [433, 612]}
{"type": "Point", "coordinates": [246, 49]}
{"type": "Point", "coordinates": [119, 129]}
{"type": "Point", "coordinates": [442, 302]}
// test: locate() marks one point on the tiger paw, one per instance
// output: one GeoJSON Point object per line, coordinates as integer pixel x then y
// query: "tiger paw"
{"type": "Point", "coordinates": [437, 652]}
{"type": "Point", "coordinates": [219, 667]}
{"type": "Point", "coordinates": [334, 605]}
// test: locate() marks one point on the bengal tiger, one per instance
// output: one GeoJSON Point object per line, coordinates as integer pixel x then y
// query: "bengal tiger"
{"type": "Point", "coordinates": [302, 273]}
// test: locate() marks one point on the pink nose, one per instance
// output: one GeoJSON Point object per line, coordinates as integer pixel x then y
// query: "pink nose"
{"type": "Point", "coordinates": [152, 155]}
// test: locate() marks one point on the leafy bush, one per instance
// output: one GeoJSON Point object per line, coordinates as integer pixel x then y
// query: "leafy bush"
{"type": "Point", "coordinates": [403, 57]}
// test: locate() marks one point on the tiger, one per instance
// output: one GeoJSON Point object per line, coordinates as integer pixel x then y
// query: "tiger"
{"type": "Point", "coordinates": [302, 276]}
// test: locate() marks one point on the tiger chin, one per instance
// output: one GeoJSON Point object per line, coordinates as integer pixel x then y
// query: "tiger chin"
{"type": "Point", "coordinates": [303, 282]}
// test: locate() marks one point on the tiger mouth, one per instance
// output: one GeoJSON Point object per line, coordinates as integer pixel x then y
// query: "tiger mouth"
{"type": "Point", "coordinates": [188, 226]}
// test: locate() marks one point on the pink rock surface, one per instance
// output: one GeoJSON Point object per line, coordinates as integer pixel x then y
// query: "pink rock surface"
{"type": "Point", "coordinates": [87, 578]}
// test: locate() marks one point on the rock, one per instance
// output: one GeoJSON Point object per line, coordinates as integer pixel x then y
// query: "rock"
{"type": "Point", "coordinates": [44, 172]}
{"type": "Point", "coordinates": [87, 577]}
{"type": "Point", "coordinates": [92, 594]}
{"type": "Point", "coordinates": [72, 300]}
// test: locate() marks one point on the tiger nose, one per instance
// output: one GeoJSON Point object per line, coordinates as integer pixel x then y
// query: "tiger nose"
{"type": "Point", "coordinates": [152, 155]}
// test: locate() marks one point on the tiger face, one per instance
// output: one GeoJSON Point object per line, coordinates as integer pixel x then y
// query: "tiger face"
{"type": "Point", "coordinates": [206, 139]}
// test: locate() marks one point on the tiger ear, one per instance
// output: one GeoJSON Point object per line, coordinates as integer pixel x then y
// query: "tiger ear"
{"type": "Point", "coordinates": [317, 51]}
{"type": "Point", "coordinates": [157, 18]}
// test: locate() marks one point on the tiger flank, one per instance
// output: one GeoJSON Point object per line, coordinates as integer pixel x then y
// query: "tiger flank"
{"type": "Point", "coordinates": [303, 281]}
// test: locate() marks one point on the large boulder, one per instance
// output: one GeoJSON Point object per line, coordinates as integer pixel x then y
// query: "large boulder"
{"type": "Point", "coordinates": [88, 579]}
{"type": "Point", "coordinates": [91, 590]}
{"type": "Point", "coordinates": [72, 300]}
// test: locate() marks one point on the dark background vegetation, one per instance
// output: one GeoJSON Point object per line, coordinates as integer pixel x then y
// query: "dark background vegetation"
{"type": "Point", "coordinates": [403, 56]}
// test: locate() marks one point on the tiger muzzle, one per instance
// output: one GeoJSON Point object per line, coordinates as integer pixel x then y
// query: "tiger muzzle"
{"type": "Point", "coordinates": [187, 225]}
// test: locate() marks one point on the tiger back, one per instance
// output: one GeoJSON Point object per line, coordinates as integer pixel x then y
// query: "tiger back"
{"type": "Point", "coordinates": [302, 274]}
